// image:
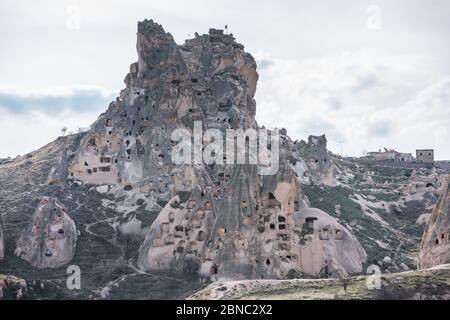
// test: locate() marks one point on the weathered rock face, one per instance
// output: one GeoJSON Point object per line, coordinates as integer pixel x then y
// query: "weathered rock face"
{"type": "Point", "coordinates": [2, 241]}
{"type": "Point", "coordinates": [313, 162]}
{"type": "Point", "coordinates": [435, 247]}
{"type": "Point", "coordinates": [328, 248]}
{"type": "Point", "coordinates": [209, 78]}
{"type": "Point", "coordinates": [50, 239]}
{"type": "Point", "coordinates": [220, 220]}
{"type": "Point", "coordinates": [58, 173]}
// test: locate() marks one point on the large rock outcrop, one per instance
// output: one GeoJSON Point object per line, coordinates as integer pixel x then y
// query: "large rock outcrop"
{"type": "Point", "coordinates": [435, 247]}
{"type": "Point", "coordinates": [222, 220]}
{"type": "Point", "coordinates": [50, 239]}
{"type": "Point", "coordinates": [313, 162]}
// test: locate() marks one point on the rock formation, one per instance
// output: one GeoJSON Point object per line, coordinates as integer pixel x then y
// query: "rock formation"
{"type": "Point", "coordinates": [2, 241]}
{"type": "Point", "coordinates": [435, 247]}
{"type": "Point", "coordinates": [312, 161]}
{"type": "Point", "coordinates": [58, 173]}
{"type": "Point", "coordinates": [222, 220]}
{"type": "Point", "coordinates": [50, 239]}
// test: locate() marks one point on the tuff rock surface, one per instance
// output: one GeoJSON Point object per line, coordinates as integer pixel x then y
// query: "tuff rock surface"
{"type": "Point", "coordinates": [221, 220]}
{"type": "Point", "coordinates": [50, 239]}
{"type": "Point", "coordinates": [58, 174]}
{"type": "Point", "coordinates": [435, 247]}
{"type": "Point", "coordinates": [2, 240]}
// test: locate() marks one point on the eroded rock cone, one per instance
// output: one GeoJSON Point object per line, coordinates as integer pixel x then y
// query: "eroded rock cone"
{"type": "Point", "coordinates": [221, 220]}
{"type": "Point", "coordinates": [50, 239]}
{"type": "Point", "coordinates": [435, 247]}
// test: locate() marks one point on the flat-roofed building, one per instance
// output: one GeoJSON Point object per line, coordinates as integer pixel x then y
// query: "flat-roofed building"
{"type": "Point", "coordinates": [425, 156]}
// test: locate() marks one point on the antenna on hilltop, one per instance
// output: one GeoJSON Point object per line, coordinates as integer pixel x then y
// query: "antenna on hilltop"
{"type": "Point", "coordinates": [226, 29]}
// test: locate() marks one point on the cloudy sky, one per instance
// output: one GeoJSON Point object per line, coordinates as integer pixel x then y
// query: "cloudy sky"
{"type": "Point", "coordinates": [368, 74]}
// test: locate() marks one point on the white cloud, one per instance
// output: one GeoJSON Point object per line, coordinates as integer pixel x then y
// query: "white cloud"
{"type": "Point", "coordinates": [30, 120]}
{"type": "Point", "coordinates": [370, 102]}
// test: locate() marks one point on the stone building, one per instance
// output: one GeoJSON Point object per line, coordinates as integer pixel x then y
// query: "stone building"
{"type": "Point", "coordinates": [425, 156]}
{"type": "Point", "coordinates": [390, 155]}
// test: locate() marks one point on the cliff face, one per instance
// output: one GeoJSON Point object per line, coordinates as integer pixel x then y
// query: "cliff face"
{"type": "Point", "coordinates": [220, 220]}
{"type": "Point", "coordinates": [435, 247]}
{"type": "Point", "coordinates": [2, 241]}
{"type": "Point", "coordinates": [50, 239]}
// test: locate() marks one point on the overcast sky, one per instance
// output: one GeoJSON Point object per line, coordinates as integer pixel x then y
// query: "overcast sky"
{"type": "Point", "coordinates": [368, 74]}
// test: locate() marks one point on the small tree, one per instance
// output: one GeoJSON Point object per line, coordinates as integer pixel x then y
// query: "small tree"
{"type": "Point", "coordinates": [63, 130]}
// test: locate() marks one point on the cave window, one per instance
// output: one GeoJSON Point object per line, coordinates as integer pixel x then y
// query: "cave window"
{"type": "Point", "coordinates": [317, 160]}
{"type": "Point", "coordinates": [171, 217]}
{"type": "Point", "coordinates": [109, 122]}
{"type": "Point", "coordinates": [442, 236]}
{"type": "Point", "coordinates": [437, 240]}
{"type": "Point", "coordinates": [105, 160]}
{"type": "Point", "coordinates": [86, 164]}
{"type": "Point", "coordinates": [272, 226]}
{"type": "Point", "coordinates": [105, 169]}
{"type": "Point", "coordinates": [325, 160]}
{"type": "Point", "coordinates": [127, 188]}
{"type": "Point", "coordinates": [281, 219]}
{"type": "Point", "coordinates": [194, 80]}
{"type": "Point", "coordinates": [214, 269]}
{"type": "Point", "coordinates": [94, 170]}
{"type": "Point", "coordinates": [61, 231]}
{"type": "Point", "coordinates": [282, 227]}
{"type": "Point", "coordinates": [89, 171]}
{"type": "Point", "coordinates": [268, 262]}
{"type": "Point", "coordinates": [48, 253]}
{"type": "Point", "coordinates": [109, 132]}
{"type": "Point", "coordinates": [201, 236]}
{"type": "Point", "coordinates": [284, 237]}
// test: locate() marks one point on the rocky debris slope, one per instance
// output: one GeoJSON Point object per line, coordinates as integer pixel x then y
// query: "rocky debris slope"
{"type": "Point", "coordinates": [14, 288]}
{"type": "Point", "coordinates": [220, 220]}
{"type": "Point", "coordinates": [50, 239]}
{"type": "Point", "coordinates": [435, 247]}
{"type": "Point", "coordinates": [430, 284]}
